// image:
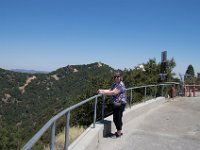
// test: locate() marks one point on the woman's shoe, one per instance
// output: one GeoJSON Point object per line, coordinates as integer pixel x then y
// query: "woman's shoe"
{"type": "Point", "coordinates": [118, 135]}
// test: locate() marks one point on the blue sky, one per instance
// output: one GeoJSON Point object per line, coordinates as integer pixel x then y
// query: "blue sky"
{"type": "Point", "coordinates": [49, 34]}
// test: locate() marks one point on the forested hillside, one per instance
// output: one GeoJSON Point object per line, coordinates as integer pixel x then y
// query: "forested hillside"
{"type": "Point", "coordinates": [27, 101]}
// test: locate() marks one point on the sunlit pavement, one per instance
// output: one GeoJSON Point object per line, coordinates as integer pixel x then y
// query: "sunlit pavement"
{"type": "Point", "coordinates": [174, 125]}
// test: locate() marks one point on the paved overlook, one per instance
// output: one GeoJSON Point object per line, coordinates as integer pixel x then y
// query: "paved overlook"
{"type": "Point", "coordinates": [174, 125]}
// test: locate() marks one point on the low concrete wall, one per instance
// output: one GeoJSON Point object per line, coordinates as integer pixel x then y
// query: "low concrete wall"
{"type": "Point", "coordinates": [90, 138]}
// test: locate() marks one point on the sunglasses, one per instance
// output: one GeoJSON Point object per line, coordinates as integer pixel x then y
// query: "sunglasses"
{"type": "Point", "coordinates": [116, 76]}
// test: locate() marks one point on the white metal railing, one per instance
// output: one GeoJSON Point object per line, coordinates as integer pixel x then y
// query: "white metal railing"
{"type": "Point", "coordinates": [52, 122]}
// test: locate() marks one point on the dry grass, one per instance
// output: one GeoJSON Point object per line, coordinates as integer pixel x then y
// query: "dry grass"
{"type": "Point", "coordinates": [74, 132]}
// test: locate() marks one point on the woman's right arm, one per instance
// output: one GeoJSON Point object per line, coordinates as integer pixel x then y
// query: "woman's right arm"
{"type": "Point", "coordinates": [109, 91]}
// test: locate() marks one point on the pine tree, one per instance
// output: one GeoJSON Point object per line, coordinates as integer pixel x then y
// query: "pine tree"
{"type": "Point", "coordinates": [190, 71]}
{"type": "Point", "coordinates": [189, 75]}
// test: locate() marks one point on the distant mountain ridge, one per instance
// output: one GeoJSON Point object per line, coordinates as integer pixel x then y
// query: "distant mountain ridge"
{"type": "Point", "coordinates": [29, 71]}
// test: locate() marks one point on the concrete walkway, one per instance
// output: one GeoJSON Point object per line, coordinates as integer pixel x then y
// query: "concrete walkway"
{"type": "Point", "coordinates": [174, 125]}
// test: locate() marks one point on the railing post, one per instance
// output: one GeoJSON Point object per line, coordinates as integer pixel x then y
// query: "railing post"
{"type": "Point", "coordinates": [131, 98]}
{"type": "Point", "coordinates": [95, 112]}
{"type": "Point", "coordinates": [103, 107]}
{"type": "Point", "coordinates": [67, 131]}
{"type": "Point", "coordinates": [194, 90]}
{"type": "Point", "coordinates": [52, 141]}
{"type": "Point", "coordinates": [184, 90]}
{"type": "Point", "coordinates": [156, 91]}
{"type": "Point", "coordinates": [162, 89]}
{"type": "Point", "coordinates": [145, 93]}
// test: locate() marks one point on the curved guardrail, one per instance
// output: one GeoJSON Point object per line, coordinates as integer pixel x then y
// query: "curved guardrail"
{"type": "Point", "coordinates": [52, 122]}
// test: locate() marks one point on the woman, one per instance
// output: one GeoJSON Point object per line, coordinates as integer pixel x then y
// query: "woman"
{"type": "Point", "coordinates": [117, 92]}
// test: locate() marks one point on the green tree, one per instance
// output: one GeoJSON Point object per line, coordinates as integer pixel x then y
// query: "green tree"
{"type": "Point", "coordinates": [190, 71]}
{"type": "Point", "coordinates": [190, 75]}
{"type": "Point", "coordinates": [170, 66]}
{"type": "Point", "coordinates": [151, 72]}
